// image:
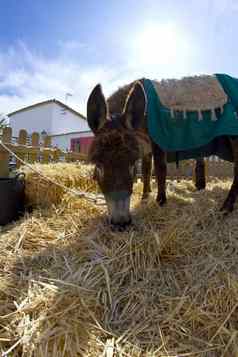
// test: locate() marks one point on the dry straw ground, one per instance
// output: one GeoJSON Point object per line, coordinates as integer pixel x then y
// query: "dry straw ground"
{"type": "Point", "coordinates": [69, 286]}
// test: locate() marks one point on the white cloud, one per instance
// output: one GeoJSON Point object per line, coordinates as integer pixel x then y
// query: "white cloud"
{"type": "Point", "coordinates": [27, 78]}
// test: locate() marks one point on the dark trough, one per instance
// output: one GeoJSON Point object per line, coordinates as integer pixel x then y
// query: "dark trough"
{"type": "Point", "coordinates": [12, 198]}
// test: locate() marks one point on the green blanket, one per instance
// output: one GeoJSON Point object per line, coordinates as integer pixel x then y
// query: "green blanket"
{"type": "Point", "coordinates": [190, 138]}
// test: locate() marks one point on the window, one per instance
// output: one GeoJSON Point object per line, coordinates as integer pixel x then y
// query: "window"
{"type": "Point", "coordinates": [75, 145]}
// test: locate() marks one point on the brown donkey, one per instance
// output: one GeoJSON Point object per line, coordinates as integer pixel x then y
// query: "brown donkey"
{"type": "Point", "coordinates": [116, 103]}
{"type": "Point", "coordinates": [120, 140]}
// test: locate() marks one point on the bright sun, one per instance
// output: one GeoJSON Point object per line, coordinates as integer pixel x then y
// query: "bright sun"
{"type": "Point", "coordinates": [160, 44]}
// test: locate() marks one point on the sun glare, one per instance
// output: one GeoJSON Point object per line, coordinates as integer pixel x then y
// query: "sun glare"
{"type": "Point", "coordinates": [160, 44]}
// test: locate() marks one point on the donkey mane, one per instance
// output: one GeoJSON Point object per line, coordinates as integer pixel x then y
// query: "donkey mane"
{"type": "Point", "coordinates": [117, 100]}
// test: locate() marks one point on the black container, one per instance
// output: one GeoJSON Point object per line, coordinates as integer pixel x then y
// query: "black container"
{"type": "Point", "coordinates": [12, 198]}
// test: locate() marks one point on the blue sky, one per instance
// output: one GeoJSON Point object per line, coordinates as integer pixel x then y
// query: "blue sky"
{"type": "Point", "coordinates": [49, 48]}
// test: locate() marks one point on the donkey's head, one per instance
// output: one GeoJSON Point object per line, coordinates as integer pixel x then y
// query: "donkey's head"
{"type": "Point", "coordinates": [120, 140]}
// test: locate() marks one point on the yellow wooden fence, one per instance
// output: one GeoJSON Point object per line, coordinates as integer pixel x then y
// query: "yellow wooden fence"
{"type": "Point", "coordinates": [214, 167]}
{"type": "Point", "coordinates": [30, 149]}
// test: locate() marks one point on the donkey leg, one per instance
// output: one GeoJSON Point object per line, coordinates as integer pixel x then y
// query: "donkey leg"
{"type": "Point", "coordinates": [146, 174]}
{"type": "Point", "coordinates": [200, 177]}
{"type": "Point", "coordinates": [160, 173]}
{"type": "Point", "coordinates": [228, 205]}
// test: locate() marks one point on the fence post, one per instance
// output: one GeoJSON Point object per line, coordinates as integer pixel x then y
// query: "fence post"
{"type": "Point", "coordinates": [35, 138]}
{"type": "Point", "coordinates": [67, 156]}
{"type": "Point", "coordinates": [4, 155]}
{"type": "Point", "coordinates": [56, 154]}
{"type": "Point", "coordinates": [21, 141]}
{"type": "Point", "coordinates": [46, 153]}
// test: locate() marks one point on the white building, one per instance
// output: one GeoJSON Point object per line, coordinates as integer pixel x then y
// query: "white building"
{"type": "Point", "coordinates": [68, 128]}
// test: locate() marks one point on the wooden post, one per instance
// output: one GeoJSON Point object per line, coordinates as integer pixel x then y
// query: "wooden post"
{"type": "Point", "coordinates": [46, 153]}
{"type": "Point", "coordinates": [35, 139]}
{"type": "Point", "coordinates": [56, 154]}
{"type": "Point", "coordinates": [4, 155]}
{"type": "Point", "coordinates": [67, 157]}
{"type": "Point", "coordinates": [21, 142]}
{"type": "Point", "coordinates": [203, 172]}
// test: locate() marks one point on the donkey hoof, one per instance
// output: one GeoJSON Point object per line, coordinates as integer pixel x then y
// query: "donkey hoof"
{"type": "Point", "coordinates": [226, 209]}
{"type": "Point", "coordinates": [145, 196]}
{"type": "Point", "coordinates": [201, 186]}
{"type": "Point", "coordinates": [161, 200]}
{"type": "Point", "coordinates": [226, 213]}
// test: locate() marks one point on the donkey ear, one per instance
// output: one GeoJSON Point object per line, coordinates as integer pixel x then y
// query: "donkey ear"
{"type": "Point", "coordinates": [134, 109]}
{"type": "Point", "coordinates": [96, 109]}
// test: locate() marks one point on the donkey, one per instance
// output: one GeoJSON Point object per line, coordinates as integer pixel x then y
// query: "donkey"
{"type": "Point", "coordinates": [116, 104]}
{"type": "Point", "coordinates": [120, 140]}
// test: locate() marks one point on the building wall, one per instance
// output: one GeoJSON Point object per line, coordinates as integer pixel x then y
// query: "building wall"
{"type": "Point", "coordinates": [51, 117]}
{"type": "Point", "coordinates": [63, 141]}
{"type": "Point", "coordinates": [60, 123]}
{"type": "Point", "coordinates": [64, 121]}
{"type": "Point", "coordinates": [33, 120]}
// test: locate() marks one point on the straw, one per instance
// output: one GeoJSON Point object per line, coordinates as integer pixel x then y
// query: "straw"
{"type": "Point", "coordinates": [70, 286]}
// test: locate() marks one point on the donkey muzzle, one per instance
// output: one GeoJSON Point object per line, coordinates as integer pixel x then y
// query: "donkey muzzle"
{"type": "Point", "coordinates": [118, 205]}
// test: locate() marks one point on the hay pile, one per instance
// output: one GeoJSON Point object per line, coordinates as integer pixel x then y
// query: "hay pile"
{"type": "Point", "coordinates": [40, 193]}
{"type": "Point", "coordinates": [69, 286]}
